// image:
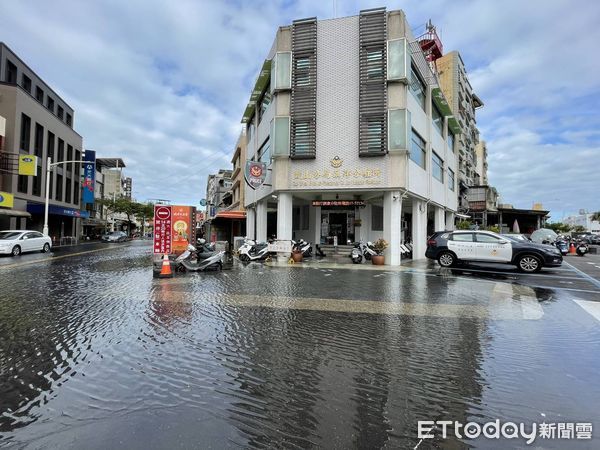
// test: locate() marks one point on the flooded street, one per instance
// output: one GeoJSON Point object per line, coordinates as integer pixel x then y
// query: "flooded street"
{"type": "Point", "coordinates": [95, 353]}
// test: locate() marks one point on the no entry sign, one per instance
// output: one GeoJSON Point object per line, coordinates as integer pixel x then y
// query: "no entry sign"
{"type": "Point", "coordinates": [162, 229]}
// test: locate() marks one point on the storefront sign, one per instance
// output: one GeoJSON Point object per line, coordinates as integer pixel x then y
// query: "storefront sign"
{"type": "Point", "coordinates": [337, 177]}
{"type": "Point", "coordinates": [200, 216]}
{"type": "Point", "coordinates": [255, 174]}
{"type": "Point", "coordinates": [28, 165]}
{"type": "Point", "coordinates": [360, 203]}
{"type": "Point", "coordinates": [7, 200]}
{"type": "Point", "coordinates": [184, 227]}
{"type": "Point", "coordinates": [89, 177]}
{"type": "Point", "coordinates": [162, 229]}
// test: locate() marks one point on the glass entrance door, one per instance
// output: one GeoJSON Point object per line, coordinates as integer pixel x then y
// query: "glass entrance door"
{"type": "Point", "coordinates": [338, 226]}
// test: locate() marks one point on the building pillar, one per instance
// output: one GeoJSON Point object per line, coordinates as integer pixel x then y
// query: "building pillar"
{"type": "Point", "coordinates": [250, 217]}
{"type": "Point", "coordinates": [317, 224]}
{"type": "Point", "coordinates": [261, 221]}
{"type": "Point", "coordinates": [538, 223]}
{"type": "Point", "coordinates": [419, 228]}
{"type": "Point", "coordinates": [439, 219]}
{"type": "Point", "coordinates": [284, 216]}
{"type": "Point", "coordinates": [500, 221]}
{"type": "Point", "coordinates": [449, 221]}
{"type": "Point", "coordinates": [392, 226]}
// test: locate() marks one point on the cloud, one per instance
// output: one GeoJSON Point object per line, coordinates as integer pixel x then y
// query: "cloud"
{"type": "Point", "coordinates": [164, 84]}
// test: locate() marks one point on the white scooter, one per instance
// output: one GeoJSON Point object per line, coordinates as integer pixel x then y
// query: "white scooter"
{"type": "Point", "coordinates": [205, 261]}
{"type": "Point", "coordinates": [246, 245]}
{"type": "Point", "coordinates": [302, 246]}
{"type": "Point", "coordinates": [255, 252]}
{"type": "Point", "coordinates": [361, 250]}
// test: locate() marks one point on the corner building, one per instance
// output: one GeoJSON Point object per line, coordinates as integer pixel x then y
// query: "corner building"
{"type": "Point", "coordinates": [355, 131]}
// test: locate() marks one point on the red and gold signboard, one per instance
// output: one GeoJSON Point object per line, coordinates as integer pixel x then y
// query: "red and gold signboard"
{"type": "Point", "coordinates": [184, 227]}
{"type": "Point", "coordinates": [163, 218]}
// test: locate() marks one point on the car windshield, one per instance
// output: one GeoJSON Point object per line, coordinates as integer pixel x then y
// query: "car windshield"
{"type": "Point", "coordinates": [7, 235]}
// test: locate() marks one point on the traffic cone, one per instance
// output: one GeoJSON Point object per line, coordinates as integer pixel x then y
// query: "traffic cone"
{"type": "Point", "coordinates": [572, 250]}
{"type": "Point", "coordinates": [165, 271]}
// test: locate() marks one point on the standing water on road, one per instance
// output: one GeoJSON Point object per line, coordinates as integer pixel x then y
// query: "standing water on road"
{"type": "Point", "coordinates": [95, 353]}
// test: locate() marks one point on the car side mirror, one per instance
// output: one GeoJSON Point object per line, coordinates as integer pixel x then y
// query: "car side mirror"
{"type": "Point", "coordinates": [24, 238]}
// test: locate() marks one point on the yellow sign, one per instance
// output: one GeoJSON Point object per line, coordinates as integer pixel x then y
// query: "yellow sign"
{"type": "Point", "coordinates": [28, 165]}
{"type": "Point", "coordinates": [7, 200]}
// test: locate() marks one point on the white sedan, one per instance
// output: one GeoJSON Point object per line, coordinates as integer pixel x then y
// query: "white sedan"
{"type": "Point", "coordinates": [15, 242]}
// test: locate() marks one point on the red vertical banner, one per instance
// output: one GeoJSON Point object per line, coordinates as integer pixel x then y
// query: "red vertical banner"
{"type": "Point", "coordinates": [163, 217]}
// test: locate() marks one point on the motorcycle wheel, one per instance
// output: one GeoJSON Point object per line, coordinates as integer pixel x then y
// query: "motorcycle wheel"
{"type": "Point", "coordinates": [357, 259]}
{"type": "Point", "coordinates": [367, 256]}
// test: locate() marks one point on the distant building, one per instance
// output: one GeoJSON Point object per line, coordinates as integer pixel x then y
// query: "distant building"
{"type": "Point", "coordinates": [481, 166]}
{"type": "Point", "coordinates": [219, 199]}
{"type": "Point", "coordinates": [114, 185]}
{"type": "Point", "coordinates": [584, 219]}
{"type": "Point", "coordinates": [38, 122]}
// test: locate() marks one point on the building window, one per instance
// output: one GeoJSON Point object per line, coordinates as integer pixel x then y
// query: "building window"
{"type": "Point", "coordinates": [39, 94]}
{"type": "Point", "coordinates": [25, 132]}
{"type": "Point", "coordinates": [450, 141]}
{"type": "Point", "coordinates": [376, 218]}
{"type": "Point", "coordinates": [68, 191]}
{"type": "Point", "coordinates": [69, 158]}
{"type": "Point", "coordinates": [61, 150]}
{"type": "Point", "coordinates": [281, 71]}
{"type": "Point", "coordinates": [437, 118]}
{"type": "Point", "coordinates": [77, 166]}
{"type": "Point", "coordinates": [23, 184]}
{"type": "Point", "coordinates": [375, 135]}
{"type": "Point", "coordinates": [398, 126]}
{"type": "Point", "coordinates": [50, 145]}
{"type": "Point", "coordinates": [59, 187]}
{"type": "Point", "coordinates": [50, 104]}
{"type": "Point", "coordinates": [60, 112]}
{"type": "Point", "coordinates": [76, 192]}
{"type": "Point", "coordinates": [11, 73]}
{"type": "Point", "coordinates": [280, 134]}
{"type": "Point", "coordinates": [417, 87]}
{"type": "Point", "coordinates": [26, 83]}
{"type": "Point", "coordinates": [302, 138]}
{"type": "Point", "coordinates": [69, 120]}
{"type": "Point", "coordinates": [36, 189]}
{"type": "Point", "coordinates": [263, 105]}
{"type": "Point", "coordinates": [418, 152]}
{"type": "Point", "coordinates": [374, 63]}
{"type": "Point", "coordinates": [451, 179]}
{"type": "Point", "coordinates": [38, 141]}
{"type": "Point", "coordinates": [437, 167]}
{"type": "Point", "coordinates": [264, 153]}
{"type": "Point", "coordinates": [302, 72]}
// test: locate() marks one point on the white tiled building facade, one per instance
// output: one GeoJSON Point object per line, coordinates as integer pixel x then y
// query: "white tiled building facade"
{"type": "Point", "coordinates": [343, 111]}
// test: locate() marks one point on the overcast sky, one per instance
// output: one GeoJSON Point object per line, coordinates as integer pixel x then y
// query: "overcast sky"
{"type": "Point", "coordinates": [163, 84]}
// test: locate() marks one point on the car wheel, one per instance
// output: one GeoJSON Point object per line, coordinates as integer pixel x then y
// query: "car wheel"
{"type": "Point", "coordinates": [529, 264]}
{"type": "Point", "coordinates": [46, 248]}
{"type": "Point", "coordinates": [16, 251]}
{"type": "Point", "coordinates": [446, 259]}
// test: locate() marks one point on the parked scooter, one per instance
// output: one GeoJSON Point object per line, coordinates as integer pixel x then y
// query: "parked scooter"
{"type": "Point", "coordinates": [256, 252]}
{"type": "Point", "coordinates": [246, 245]}
{"type": "Point", "coordinates": [581, 248]}
{"type": "Point", "coordinates": [361, 250]}
{"type": "Point", "coordinates": [204, 260]}
{"type": "Point", "coordinates": [302, 246]}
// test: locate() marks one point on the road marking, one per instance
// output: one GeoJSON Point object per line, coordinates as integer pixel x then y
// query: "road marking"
{"type": "Point", "coordinates": [522, 309]}
{"type": "Point", "coordinates": [592, 308]}
{"type": "Point", "coordinates": [513, 274]}
{"type": "Point", "coordinates": [54, 258]}
{"type": "Point", "coordinates": [585, 275]}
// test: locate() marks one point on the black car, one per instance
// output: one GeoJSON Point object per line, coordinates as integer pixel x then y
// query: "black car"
{"type": "Point", "coordinates": [452, 247]}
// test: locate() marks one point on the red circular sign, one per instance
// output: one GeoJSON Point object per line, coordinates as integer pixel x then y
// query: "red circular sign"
{"type": "Point", "coordinates": [256, 171]}
{"type": "Point", "coordinates": [163, 213]}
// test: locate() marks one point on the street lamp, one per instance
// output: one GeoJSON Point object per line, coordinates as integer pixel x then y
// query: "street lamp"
{"type": "Point", "coordinates": [49, 166]}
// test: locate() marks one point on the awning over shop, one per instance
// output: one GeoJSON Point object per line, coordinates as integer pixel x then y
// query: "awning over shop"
{"type": "Point", "coordinates": [38, 208]}
{"type": "Point", "coordinates": [240, 215]}
{"type": "Point", "coordinates": [14, 213]}
{"type": "Point", "coordinates": [443, 106]}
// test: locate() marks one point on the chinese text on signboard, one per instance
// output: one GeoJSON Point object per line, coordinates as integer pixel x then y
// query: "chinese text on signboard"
{"type": "Point", "coordinates": [162, 229]}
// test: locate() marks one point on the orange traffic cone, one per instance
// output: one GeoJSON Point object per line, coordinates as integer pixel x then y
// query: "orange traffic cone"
{"type": "Point", "coordinates": [165, 271]}
{"type": "Point", "coordinates": [572, 249]}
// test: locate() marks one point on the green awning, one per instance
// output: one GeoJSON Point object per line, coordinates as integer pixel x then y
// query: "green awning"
{"type": "Point", "coordinates": [259, 87]}
{"type": "Point", "coordinates": [442, 104]}
{"type": "Point", "coordinates": [440, 101]}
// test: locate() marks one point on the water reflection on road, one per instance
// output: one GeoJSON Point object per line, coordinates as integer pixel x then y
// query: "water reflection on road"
{"type": "Point", "coordinates": [96, 351]}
